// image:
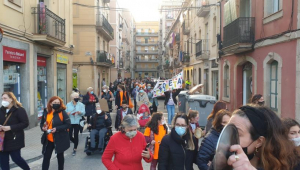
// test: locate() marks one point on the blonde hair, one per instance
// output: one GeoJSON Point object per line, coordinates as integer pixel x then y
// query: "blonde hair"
{"type": "Point", "coordinates": [89, 88]}
{"type": "Point", "coordinates": [73, 94]}
{"type": "Point", "coordinates": [15, 102]}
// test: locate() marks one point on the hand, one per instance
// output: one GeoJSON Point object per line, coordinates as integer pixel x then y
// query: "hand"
{"type": "Point", "coordinates": [116, 107]}
{"type": "Point", "coordinates": [239, 161]}
{"type": "Point", "coordinates": [146, 154]}
{"type": "Point", "coordinates": [5, 128]}
{"type": "Point", "coordinates": [153, 142]}
{"type": "Point", "coordinates": [45, 128]}
{"type": "Point", "coordinates": [106, 117]}
{"type": "Point", "coordinates": [78, 112]}
{"type": "Point", "coordinates": [111, 99]}
{"type": "Point", "coordinates": [69, 113]}
{"type": "Point", "coordinates": [94, 101]}
{"type": "Point", "coordinates": [53, 130]}
{"type": "Point", "coordinates": [89, 125]}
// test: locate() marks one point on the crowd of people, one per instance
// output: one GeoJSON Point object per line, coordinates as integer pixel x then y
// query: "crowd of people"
{"type": "Point", "coordinates": [266, 142]}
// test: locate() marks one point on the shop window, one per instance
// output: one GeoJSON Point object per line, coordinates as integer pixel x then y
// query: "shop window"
{"type": "Point", "coordinates": [274, 85]}
{"type": "Point", "coordinates": [11, 78]}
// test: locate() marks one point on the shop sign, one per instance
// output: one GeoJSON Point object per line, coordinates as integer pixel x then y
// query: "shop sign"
{"type": "Point", "coordinates": [62, 59]}
{"type": "Point", "coordinates": [41, 62]}
{"type": "Point", "coordinates": [14, 55]}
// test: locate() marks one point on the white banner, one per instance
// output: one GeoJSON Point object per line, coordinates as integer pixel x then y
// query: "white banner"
{"type": "Point", "coordinates": [163, 86]}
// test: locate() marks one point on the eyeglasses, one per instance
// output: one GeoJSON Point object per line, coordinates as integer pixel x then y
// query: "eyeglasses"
{"type": "Point", "coordinates": [180, 125]}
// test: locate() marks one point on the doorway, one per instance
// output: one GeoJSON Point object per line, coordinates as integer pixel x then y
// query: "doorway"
{"type": "Point", "coordinates": [247, 83]}
{"type": "Point", "coordinates": [215, 84]}
{"type": "Point", "coordinates": [206, 81]}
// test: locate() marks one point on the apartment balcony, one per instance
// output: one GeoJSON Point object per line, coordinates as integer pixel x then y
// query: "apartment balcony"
{"type": "Point", "coordinates": [149, 43]}
{"type": "Point", "coordinates": [146, 69]}
{"type": "Point", "coordinates": [239, 35]}
{"type": "Point", "coordinates": [103, 59]}
{"type": "Point", "coordinates": [186, 59]}
{"type": "Point", "coordinates": [204, 8]}
{"type": "Point", "coordinates": [49, 28]}
{"type": "Point", "coordinates": [146, 34]}
{"type": "Point", "coordinates": [169, 17]}
{"type": "Point", "coordinates": [186, 27]}
{"type": "Point", "coordinates": [125, 39]}
{"type": "Point", "coordinates": [177, 38]}
{"type": "Point", "coordinates": [104, 27]}
{"type": "Point", "coordinates": [153, 52]}
{"type": "Point", "coordinates": [202, 50]}
{"type": "Point", "coordinates": [146, 60]}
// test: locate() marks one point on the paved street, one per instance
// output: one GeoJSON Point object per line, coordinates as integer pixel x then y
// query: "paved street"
{"type": "Point", "coordinates": [32, 152]}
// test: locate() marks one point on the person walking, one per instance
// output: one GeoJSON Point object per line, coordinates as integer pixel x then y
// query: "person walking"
{"type": "Point", "coordinates": [217, 107]}
{"type": "Point", "coordinates": [14, 120]}
{"type": "Point", "coordinates": [127, 147]}
{"type": "Point", "coordinates": [134, 94]}
{"type": "Point", "coordinates": [121, 113]}
{"type": "Point", "coordinates": [55, 125]}
{"type": "Point", "coordinates": [89, 100]}
{"type": "Point", "coordinates": [155, 130]}
{"type": "Point", "coordinates": [178, 150]}
{"type": "Point", "coordinates": [122, 95]}
{"type": "Point", "coordinates": [152, 100]}
{"type": "Point", "coordinates": [108, 96]}
{"type": "Point", "coordinates": [103, 82]}
{"type": "Point", "coordinates": [142, 98]}
{"type": "Point", "coordinates": [170, 102]}
{"type": "Point", "coordinates": [75, 109]}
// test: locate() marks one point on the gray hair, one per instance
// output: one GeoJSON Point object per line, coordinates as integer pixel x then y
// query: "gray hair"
{"type": "Point", "coordinates": [98, 105]}
{"type": "Point", "coordinates": [89, 88]}
{"type": "Point", "coordinates": [105, 87]}
{"type": "Point", "coordinates": [73, 94]}
{"type": "Point", "coordinates": [129, 121]}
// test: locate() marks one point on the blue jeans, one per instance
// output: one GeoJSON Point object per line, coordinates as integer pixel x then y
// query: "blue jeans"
{"type": "Point", "coordinates": [101, 134]}
{"type": "Point", "coordinates": [171, 112]}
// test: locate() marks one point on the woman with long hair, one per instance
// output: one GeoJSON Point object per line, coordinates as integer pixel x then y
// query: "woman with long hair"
{"type": "Point", "coordinates": [55, 125]}
{"type": "Point", "coordinates": [209, 143]}
{"type": "Point", "coordinates": [292, 128]}
{"type": "Point", "coordinates": [258, 99]}
{"type": "Point", "coordinates": [217, 107]}
{"type": "Point", "coordinates": [14, 120]}
{"type": "Point", "coordinates": [155, 130]}
{"type": "Point", "coordinates": [178, 149]}
{"type": "Point", "coordinates": [263, 141]}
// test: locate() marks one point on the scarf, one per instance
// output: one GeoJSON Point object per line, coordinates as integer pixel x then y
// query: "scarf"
{"type": "Point", "coordinates": [92, 97]}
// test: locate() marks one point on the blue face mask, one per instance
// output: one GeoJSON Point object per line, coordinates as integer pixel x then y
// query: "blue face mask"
{"type": "Point", "coordinates": [141, 91]}
{"type": "Point", "coordinates": [180, 130]}
{"type": "Point", "coordinates": [137, 87]}
{"type": "Point", "coordinates": [92, 92]}
{"type": "Point", "coordinates": [149, 87]}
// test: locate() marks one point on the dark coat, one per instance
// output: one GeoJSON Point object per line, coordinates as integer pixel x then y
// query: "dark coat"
{"type": "Point", "coordinates": [98, 121]}
{"type": "Point", "coordinates": [118, 98]}
{"type": "Point", "coordinates": [61, 136]}
{"type": "Point", "coordinates": [90, 107]}
{"type": "Point", "coordinates": [207, 149]}
{"type": "Point", "coordinates": [174, 94]}
{"type": "Point", "coordinates": [18, 121]}
{"type": "Point", "coordinates": [119, 117]}
{"type": "Point", "coordinates": [173, 154]}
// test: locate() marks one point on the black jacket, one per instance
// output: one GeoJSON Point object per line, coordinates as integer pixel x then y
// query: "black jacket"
{"type": "Point", "coordinates": [118, 98]}
{"type": "Point", "coordinates": [61, 136]}
{"type": "Point", "coordinates": [18, 121]}
{"type": "Point", "coordinates": [119, 117]}
{"type": "Point", "coordinates": [98, 121]}
{"type": "Point", "coordinates": [173, 154]}
{"type": "Point", "coordinates": [174, 94]}
{"type": "Point", "coordinates": [90, 107]}
{"type": "Point", "coordinates": [207, 149]}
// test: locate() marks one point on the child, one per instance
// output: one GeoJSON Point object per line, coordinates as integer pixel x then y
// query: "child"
{"type": "Point", "coordinates": [145, 115]}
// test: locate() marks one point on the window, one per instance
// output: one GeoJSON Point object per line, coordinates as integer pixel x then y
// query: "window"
{"type": "Point", "coordinates": [139, 30]}
{"type": "Point", "coordinates": [153, 31]}
{"type": "Point", "coordinates": [272, 6]}
{"type": "Point", "coordinates": [146, 40]}
{"type": "Point", "coordinates": [16, 2]}
{"type": "Point", "coordinates": [274, 85]}
{"type": "Point", "coordinates": [226, 81]}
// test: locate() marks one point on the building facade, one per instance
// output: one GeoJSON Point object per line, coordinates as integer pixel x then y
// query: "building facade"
{"type": "Point", "coordinates": [260, 46]}
{"type": "Point", "coordinates": [92, 35]}
{"type": "Point", "coordinates": [147, 49]}
{"type": "Point", "coordinates": [36, 56]}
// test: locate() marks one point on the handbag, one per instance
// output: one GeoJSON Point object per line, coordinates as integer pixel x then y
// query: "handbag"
{"type": "Point", "coordinates": [2, 133]}
{"type": "Point", "coordinates": [82, 121]}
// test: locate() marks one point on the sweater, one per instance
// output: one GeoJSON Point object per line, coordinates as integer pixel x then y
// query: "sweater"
{"type": "Point", "coordinates": [78, 107]}
{"type": "Point", "coordinates": [127, 152]}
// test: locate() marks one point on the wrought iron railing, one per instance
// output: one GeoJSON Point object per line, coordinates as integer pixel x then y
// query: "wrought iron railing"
{"type": "Point", "coordinates": [102, 56]}
{"type": "Point", "coordinates": [202, 47]}
{"type": "Point", "coordinates": [48, 23]}
{"type": "Point", "coordinates": [103, 22]}
{"type": "Point", "coordinates": [241, 30]}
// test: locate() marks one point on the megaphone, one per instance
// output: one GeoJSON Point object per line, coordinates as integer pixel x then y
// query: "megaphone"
{"type": "Point", "coordinates": [228, 137]}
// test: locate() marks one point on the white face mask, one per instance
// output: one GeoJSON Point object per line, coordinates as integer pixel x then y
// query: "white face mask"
{"type": "Point", "coordinates": [296, 141]}
{"type": "Point", "coordinates": [104, 90]}
{"type": "Point", "coordinates": [5, 103]}
{"type": "Point", "coordinates": [131, 134]}
{"type": "Point", "coordinates": [99, 111]}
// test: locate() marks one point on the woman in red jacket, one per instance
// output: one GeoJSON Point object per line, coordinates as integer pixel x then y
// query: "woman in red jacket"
{"type": "Point", "coordinates": [127, 147]}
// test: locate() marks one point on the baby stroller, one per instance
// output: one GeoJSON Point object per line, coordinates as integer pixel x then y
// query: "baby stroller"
{"type": "Point", "coordinates": [107, 136]}
{"type": "Point", "coordinates": [143, 117]}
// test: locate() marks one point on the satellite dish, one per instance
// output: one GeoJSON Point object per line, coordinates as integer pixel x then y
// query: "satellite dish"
{"type": "Point", "coordinates": [228, 137]}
